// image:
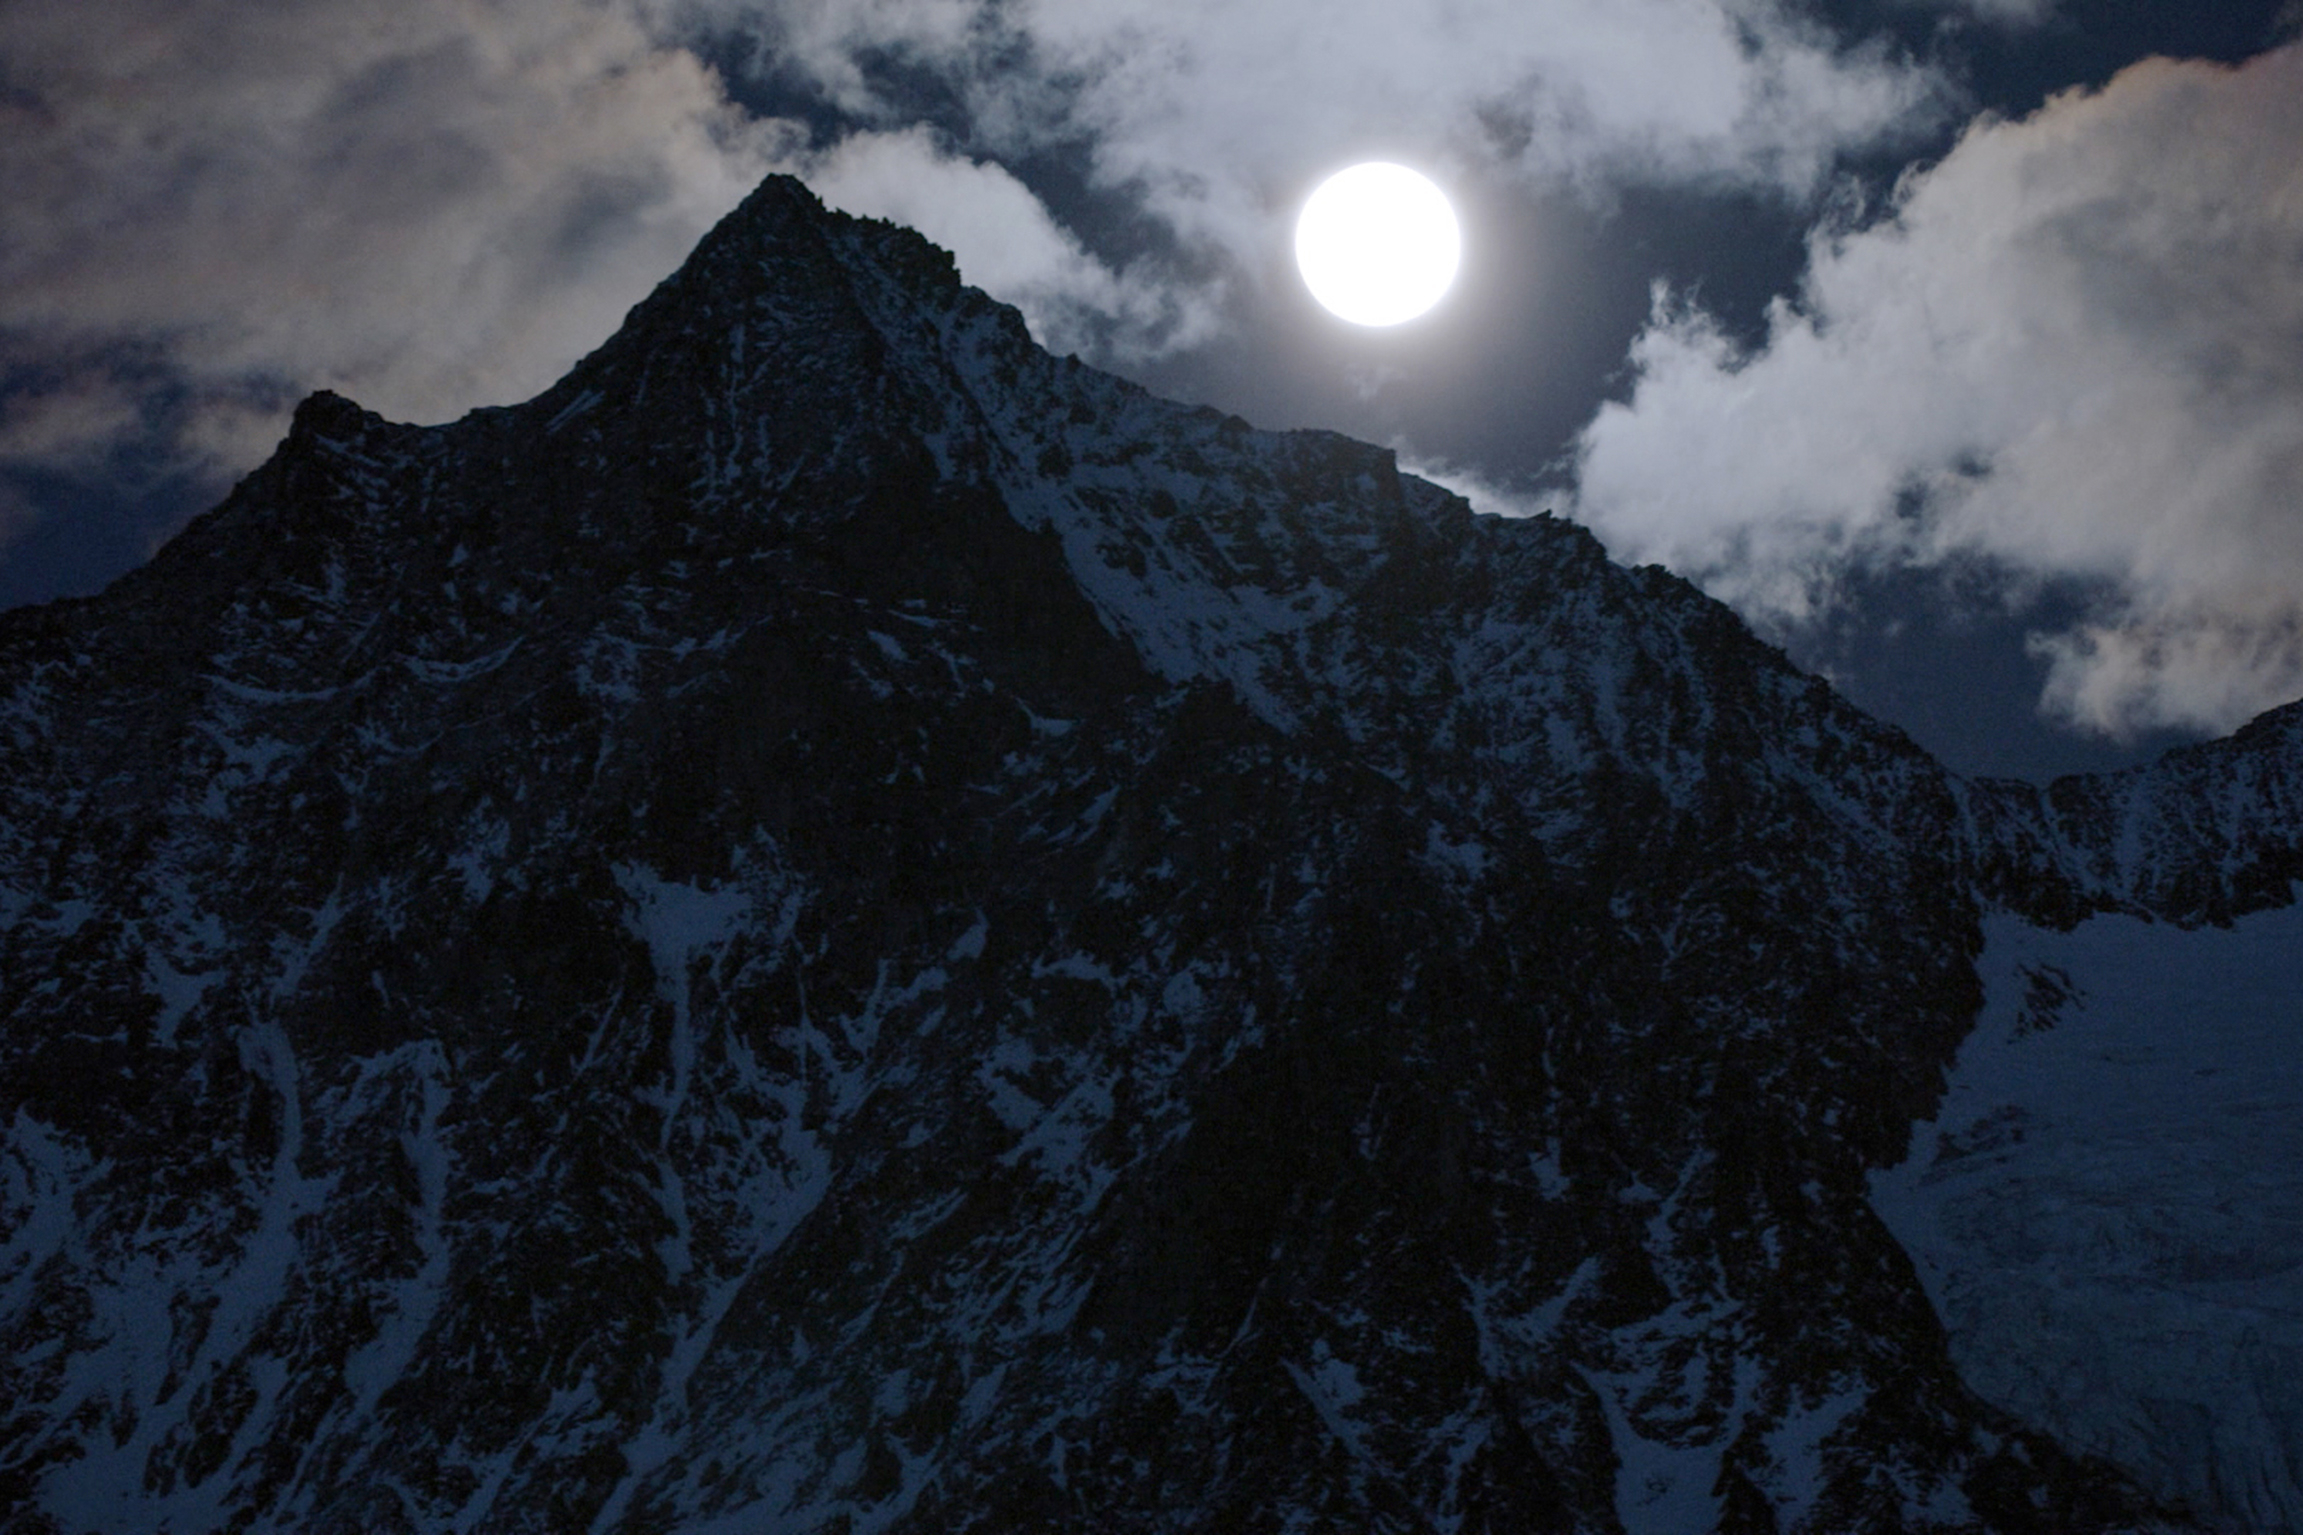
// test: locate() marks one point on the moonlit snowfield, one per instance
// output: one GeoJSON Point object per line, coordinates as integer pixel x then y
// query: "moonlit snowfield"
{"type": "Point", "coordinates": [2108, 1210]}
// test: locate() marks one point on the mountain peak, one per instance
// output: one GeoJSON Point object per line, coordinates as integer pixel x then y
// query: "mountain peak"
{"type": "Point", "coordinates": [782, 237]}
{"type": "Point", "coordinates": [776, 262]}
{"type": "Point", "coordinates": [325, 413]}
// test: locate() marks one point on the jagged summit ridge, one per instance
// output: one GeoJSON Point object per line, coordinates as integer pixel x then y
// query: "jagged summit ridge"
{"type": "Point", "coordinates": [840, 924]}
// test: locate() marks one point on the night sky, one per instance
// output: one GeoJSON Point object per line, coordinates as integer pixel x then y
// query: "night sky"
{"type": "Point", "coordinates": [1958, 343]}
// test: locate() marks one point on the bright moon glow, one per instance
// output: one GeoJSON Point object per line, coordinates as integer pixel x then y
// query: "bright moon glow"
{"type": "Point", "coordinates": [1377, 244]}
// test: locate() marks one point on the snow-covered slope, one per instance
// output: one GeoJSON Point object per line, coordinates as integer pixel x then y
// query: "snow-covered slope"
{"type": "Point", "coordinates": [841, 925]}
{"type": "Point", "coordinates": [2108, 1207]}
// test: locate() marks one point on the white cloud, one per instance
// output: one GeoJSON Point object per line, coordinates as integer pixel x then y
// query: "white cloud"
{"type": "Point", "coordinates": [1218, 115]}
{"type": "Point", "coordinates": [1006, 243]}
{"type": "Point", "coordinates": [2075, 347]}
{"type": "Point", "coordinates": [430, 205]}
{"type": "Point", "coordinates": [61, 426]}
{"type": "Point", "coordinates": [1483, 493]}
{"type": "Point", "coordinates": [2207, 664]}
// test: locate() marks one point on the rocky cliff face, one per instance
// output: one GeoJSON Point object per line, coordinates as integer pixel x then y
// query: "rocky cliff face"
{"type": "Point", "coordinates": [841, 925]}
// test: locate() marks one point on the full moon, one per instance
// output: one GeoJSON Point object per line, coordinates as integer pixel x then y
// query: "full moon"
{"type": "Point", "coordinates": [1377, 244]}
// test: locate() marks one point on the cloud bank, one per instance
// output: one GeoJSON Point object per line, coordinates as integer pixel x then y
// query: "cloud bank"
{"type": "Point", "coordinates": [2074, 347]}
{"type": "Point", "coordinates": [429, 205]}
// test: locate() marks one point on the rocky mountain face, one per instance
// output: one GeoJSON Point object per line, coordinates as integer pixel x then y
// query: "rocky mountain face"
{"type": "Point", "coordinates": [841, 925]}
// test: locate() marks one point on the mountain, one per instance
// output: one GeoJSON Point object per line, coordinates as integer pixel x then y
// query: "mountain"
{"type": "Point", "coordinates": [841, 925]}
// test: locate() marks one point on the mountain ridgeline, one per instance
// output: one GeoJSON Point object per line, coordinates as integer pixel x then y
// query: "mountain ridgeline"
{"type": "Point", "coordinates": [841, 925]}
